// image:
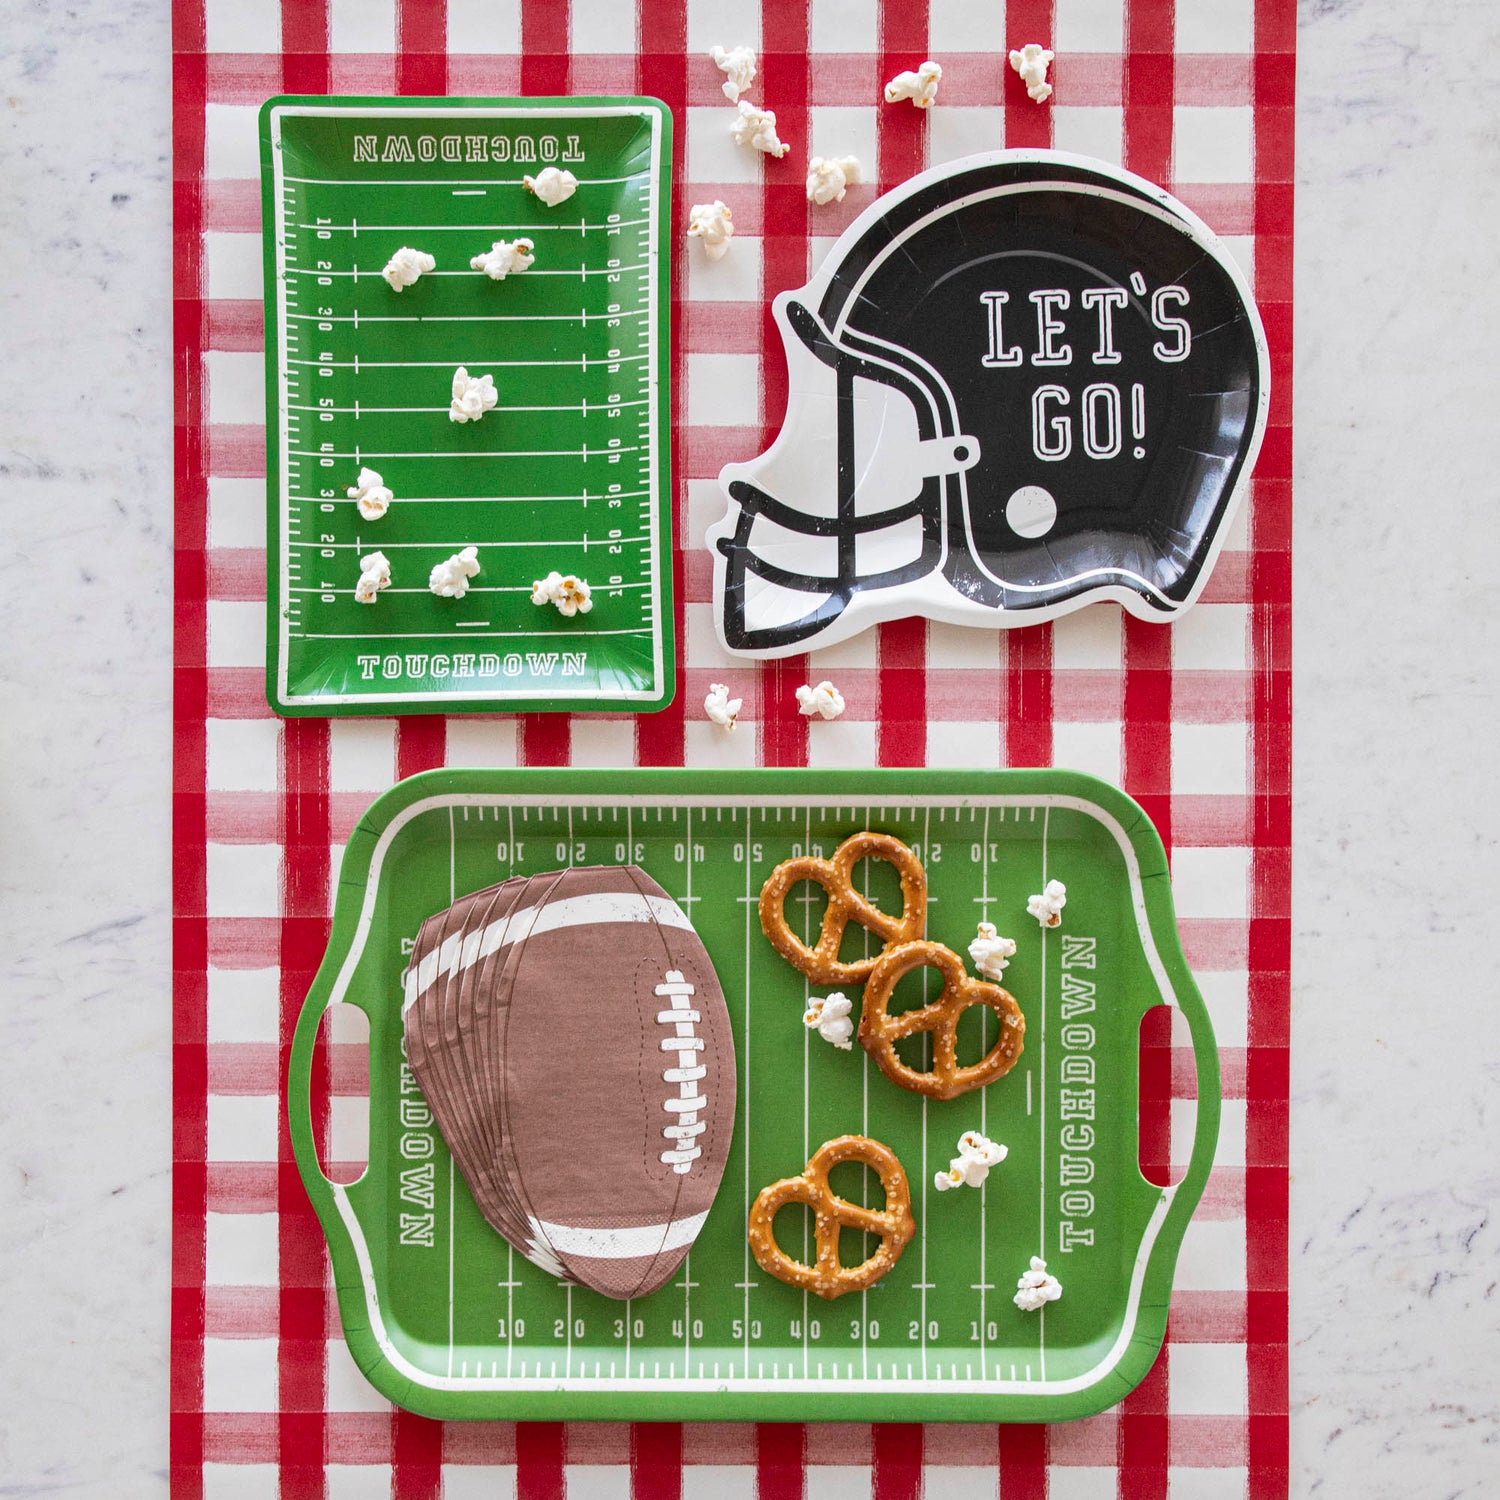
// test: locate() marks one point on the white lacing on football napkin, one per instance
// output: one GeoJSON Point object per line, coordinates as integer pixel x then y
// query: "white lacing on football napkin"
{"type": "Point", "coordinates": [688, 1103]}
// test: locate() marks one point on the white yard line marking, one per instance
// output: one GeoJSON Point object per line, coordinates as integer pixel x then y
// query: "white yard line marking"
{"type": "Point", "coordinates": [452, 896]}
{"type": "Point", "coordinates": [926, 973]}
{"type": "Point", "coordinates": [582, 318]}
{"type": "Point", "coordinates": [494, 588]}
{"type": "Point", "coordinates": [687, 1263]}
{"type": "Point", "coordinates": [744, 1093]}
{"type": "Point", "coordinates": [359, 409]}
{"type": "Point", "coordinates": [451, 182]}
{"type": "Point", "coordinates": [582, 453]}
{"type": "Point", "coordinates": [500, 500]}
{"type": "Point", "coordinates": [864, 1130]}
{"type": "Point", "coordinates": [1041, 1317]}
{"type": "Point", "coordinates": [582, 362]}
{"type": "Point", "coordinates": [581, 272]}
{"type": "Point", "coordinates": [806, 1038]}
{"type": "Point", "coordinates": [477, 588]}
{"type": "Point", "coordinates": [374, 638]}
{"type": "Point", "coordinates": [984, 1125]}
{"type": "Point", "coordinates": [478, 229]}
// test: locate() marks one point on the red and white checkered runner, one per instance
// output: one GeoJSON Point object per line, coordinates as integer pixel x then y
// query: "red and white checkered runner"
{"type": "Point", "coordinates": [1194, 720]}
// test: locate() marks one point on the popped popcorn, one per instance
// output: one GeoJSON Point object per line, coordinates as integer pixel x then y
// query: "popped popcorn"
{"type": "Point", "coordinates": [720, 707]}
{"type": "Point", "coordinates": [1032, 62]}
{"type": "Point", "coordinates": [976, 1155]}
{"type": "Point", "coordinates": [1047, 907]}
{"type": "Point", "coordinates": [711, 223]}
{"type": "Point", "coordinates": [1036, 1287]}
{"type": "Point", "coordinates": [374, 575]}
{"type": "Point", "coordinates": [829, 177]}
{"type": "Point", "coordinates": [450, 580]}
{"type": "Point", "coordinates": [553, 185]}
{"type": "Point", "coordinates": [738, 64]}
{"type": "Point", "coordinates": [406, 265]}
{"type": "Point", "coordinates": [825, 700]}
{"type": "Point", "coordinates": [920, 87]}
{"type": "Point", "coordinates": [567, 591]}
{"type": "Point", "coordinates": [991, 952]}
{"type": "Point", "coordinates": [757, 128]}
{"type": "Point", "coordinates": [829, 1017]}
{"type": "Point", "coordinates": [472, 396]}
{"type": "Point", "coordinates": [503, 257]}
{"type": "Point", "coordinates": [369, 492]}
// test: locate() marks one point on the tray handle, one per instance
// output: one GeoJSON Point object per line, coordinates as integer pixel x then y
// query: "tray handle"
{"type": "Point", "coordinates": [1207, 1082]}
{"type": "Point", "coordinates": [300, 1083]}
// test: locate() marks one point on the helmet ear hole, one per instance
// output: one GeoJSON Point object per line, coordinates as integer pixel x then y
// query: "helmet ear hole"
{"type": "Point", "coordinates": [1031, 511]}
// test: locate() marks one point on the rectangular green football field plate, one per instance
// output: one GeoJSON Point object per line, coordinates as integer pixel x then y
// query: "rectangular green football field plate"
{"type": "Point", "coordinates": [570, 471]}
{"type": "Point", "coordinates": [447, 1320]}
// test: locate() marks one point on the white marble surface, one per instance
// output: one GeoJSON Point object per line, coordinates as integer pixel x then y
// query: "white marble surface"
{"type": "Point", "coordinates": [85, 745]}
{"type": "Point", "coordinates": [1396, 1052]}
{"type": "Point", "coordinates": [1395, 1061]}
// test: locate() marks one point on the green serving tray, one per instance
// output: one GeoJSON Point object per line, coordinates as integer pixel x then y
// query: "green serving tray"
{"type": "Point", "coordinates": [570, 471]}
{"type": "Point", "coordinates": [447, 1320]}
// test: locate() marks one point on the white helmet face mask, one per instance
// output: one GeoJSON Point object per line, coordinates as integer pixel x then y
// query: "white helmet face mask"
{"type": "Point", "coordinates": [941, 457]}
{"type": "Point", "coordinates": [852, 490]}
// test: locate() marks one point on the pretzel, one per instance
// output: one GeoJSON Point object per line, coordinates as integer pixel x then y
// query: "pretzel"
{"type": "Point", "coordinates": [821, 962]}
{"type": "Point", "coordinates": [879, 1031]}
{"type": "Point", "coordinates": [893, 1223]}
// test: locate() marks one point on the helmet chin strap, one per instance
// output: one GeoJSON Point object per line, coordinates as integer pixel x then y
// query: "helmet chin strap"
{"type": "Point", "coordinates": [929, 458]}
{"type": "Point", "coordinates": [936, 458]}
{"type": "Point", "coordinates": [963, 572]}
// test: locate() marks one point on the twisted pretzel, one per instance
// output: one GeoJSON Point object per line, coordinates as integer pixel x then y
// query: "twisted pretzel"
{"type": "Point", "coordinates": [821, 962]}
{"type": "Point", "coordinates": [893, 1223]}
{"type": "Point", "coordinates": [879, 1031]}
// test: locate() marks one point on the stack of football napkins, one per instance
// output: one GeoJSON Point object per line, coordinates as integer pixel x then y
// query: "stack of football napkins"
{"type": "Point", "coordinates": [571, 1037]}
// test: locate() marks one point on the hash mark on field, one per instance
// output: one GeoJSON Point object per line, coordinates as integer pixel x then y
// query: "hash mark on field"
{"type": "Point", "coordinates": [468, 192]}
{"type": "Point", "coordinates": [470, 624]}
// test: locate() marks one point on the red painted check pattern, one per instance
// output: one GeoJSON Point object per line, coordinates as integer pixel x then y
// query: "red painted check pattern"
{"type": "Point", "coordinates": [1194, 720]}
